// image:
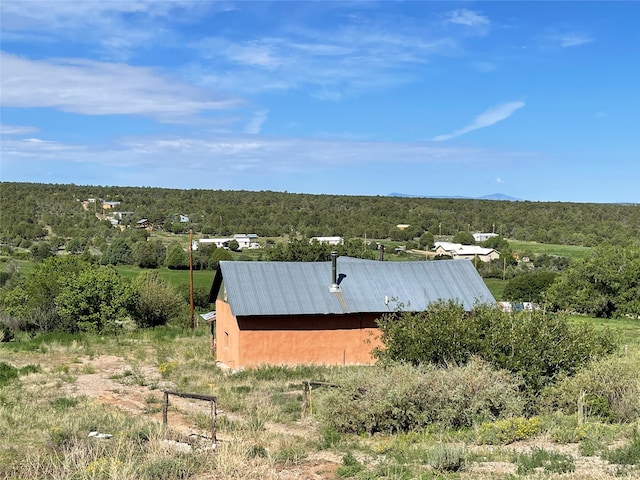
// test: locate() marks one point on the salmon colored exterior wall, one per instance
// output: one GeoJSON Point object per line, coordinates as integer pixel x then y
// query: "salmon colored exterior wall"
{"type": "Point", "coordinates": [290, 340]}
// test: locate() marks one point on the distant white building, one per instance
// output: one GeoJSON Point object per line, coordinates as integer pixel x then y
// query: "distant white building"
{"type": "Point", "coordinates": [483, 237]}
{"type": "Point", "coordinates": [327, 240]}
{"type": "Point", "coordinates": [457, 250]}
{"type": "Point", "coordinates": [245, 241]}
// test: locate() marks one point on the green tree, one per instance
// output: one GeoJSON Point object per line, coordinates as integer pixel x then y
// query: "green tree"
{"type": "Point", "coordinates": [427, 240]}
{"type": "Point", "coordinates": [497, 243]}
{"type": "Point", "coordinates": [42, 250]}
{"type": "Point", "coordinates": [118, 253]}
{"type": "Point", "coordinates": [530, 287]}
{"type": "Point", "coordinates": [32, 300]}
{"type": "Point", "coordinates": [465, 238]}
{"type": "Point", "coordinates": [606, 283]}
{"type": "Point", "coordinates": [234, 245]}
{"type": "Point", "coordinates": [177, 258]}
{"type": "Point", "coordinates": [95, 300]}
{"type": "Point", "coordinates": [148, 254]}
{"type": "Point", "coordinates": [75, 246]}
{"type": "Point", "coordinates": [218, 255]}
{"type": "Point", "coordinates": [156, 302]}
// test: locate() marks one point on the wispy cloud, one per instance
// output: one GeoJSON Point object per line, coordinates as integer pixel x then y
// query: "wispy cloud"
{"type": "Point", "coordinates": [331, 64]}
{"type": "Point", "coordinates": [267, 155]}
{"type": "Point", "coordinates": [16, 129]}
{"type": "Point", "coordinates": [573, 40]}
{"type": "Point", "coordinates": [255, 124]}
{"type": "Point", "coordinates": [563, 39]}
{"type": "Point", "coordinates": [469, 18]}
{"type": "Point", "coordinates": [101, 88]}
{"type": "Point", "coordinates": [500, 180]}
{"type": "Point", "coordinates": [115, 27]}
{"type": "Point", "coordinates": [487, 118]}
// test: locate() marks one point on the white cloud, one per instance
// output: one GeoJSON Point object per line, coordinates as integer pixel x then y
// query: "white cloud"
{"type": "Point", "coordinates": [261, 155]}
{"type": "Point", "coordinates": [115, 26]}
{"type": "Point", "coordinates": [487, 118]}
{"type": "Point", "coordinates": [469, 18]}
{"type": "Point", "coordinates": [500, 180]}
{"type": "Point", "coordinates": [330, 64]}
{"type": "Point", "coordinates": [557, 39]}
{"type": "Point", "coordinates": [99, 88]}
{"type": "Point", "coordinates": [572, 40]}
{"type": "Point", "coordinates": [16, 129]}
{"type": "Point", "coordinates": [255, 124]}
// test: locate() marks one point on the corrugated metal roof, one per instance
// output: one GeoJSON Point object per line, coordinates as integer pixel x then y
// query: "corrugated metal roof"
{"type": "Point", "coordinates": [301, 288]}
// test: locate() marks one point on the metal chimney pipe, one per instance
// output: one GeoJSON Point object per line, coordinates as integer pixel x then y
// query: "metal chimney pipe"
{"type": "Point", "coordinates": [334, 287]}
{"type": "Point", "coordinates": [381, 252]}
{"type": "Point", "coordinates": [334, 268]}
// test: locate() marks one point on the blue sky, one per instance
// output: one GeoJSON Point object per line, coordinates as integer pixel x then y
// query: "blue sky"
{"type": "Point", "coordinates": [536, 100]}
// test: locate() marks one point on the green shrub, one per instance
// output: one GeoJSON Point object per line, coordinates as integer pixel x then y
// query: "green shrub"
{"type": "Point", "coordinates": [535, 345]}
{"type": "Point", "coordinates": [8, 373]}
{"type": "Point", "coordinates": [628, 454]}
{"type": "Point", "coordinates": [177, 467]}
{"type": "Point", "coordinates": [508, 431]}
{"type": "Point", "coordinates": [60, 437]}
{"type": "Point", "coordinates": [6, 334]}
{"type": "Point", "coordinates": [400, 397]}
{"type": "Point", "coordinates": [608, 389]}
{"type": "Point", "coordinates": [350, 466]}
{"type": "Point", "coordinates": [447, 458]}
{"type": "Point", "coordinates": [64, 403]}
{"type": "Point", "coordinates": [548, 461]}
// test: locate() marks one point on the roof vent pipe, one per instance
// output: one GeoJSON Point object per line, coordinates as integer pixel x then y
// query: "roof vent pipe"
{"type": "Point", "coordinates": [381, 247]}
{"type": "Point", "coordinates": [334, 287]}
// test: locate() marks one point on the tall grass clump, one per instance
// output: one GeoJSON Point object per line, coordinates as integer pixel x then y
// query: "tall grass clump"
{"type": "Point", "coordinates": [607, 389]}
{"type": "Point", "coordinates": [540, 459]}
{"type": "Point", "coordinates": [400, 397]}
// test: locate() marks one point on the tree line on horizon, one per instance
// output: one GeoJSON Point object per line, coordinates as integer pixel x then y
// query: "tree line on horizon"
{"type": "Point", "coordinates": [33, 211]}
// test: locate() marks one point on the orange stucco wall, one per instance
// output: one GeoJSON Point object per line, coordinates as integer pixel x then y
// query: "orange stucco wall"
{"type": "Point", "coordinates": [319, 339]}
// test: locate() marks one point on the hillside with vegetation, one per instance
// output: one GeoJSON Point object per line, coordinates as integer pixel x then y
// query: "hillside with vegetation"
{"type": "Point", "coordinates": [31, 211]}
{"type": "Point", "coordinates": [95, 325]}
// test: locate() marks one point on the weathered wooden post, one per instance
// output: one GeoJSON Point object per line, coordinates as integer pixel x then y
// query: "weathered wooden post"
{"type": "Point", "coordinates": [165, 408]}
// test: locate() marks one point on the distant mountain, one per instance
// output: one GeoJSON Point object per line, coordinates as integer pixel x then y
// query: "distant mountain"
{"type": "Point", "coordinates": [495, 196]}
{"type": "Point", "coordinates": [500, 196]}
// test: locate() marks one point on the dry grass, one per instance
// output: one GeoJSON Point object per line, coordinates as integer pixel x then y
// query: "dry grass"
{"type": "Point", "coordinates": [114, 385]}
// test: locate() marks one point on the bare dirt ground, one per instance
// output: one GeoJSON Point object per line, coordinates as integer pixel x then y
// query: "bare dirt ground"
{"type": "Point", "coordinates": [114, 383]}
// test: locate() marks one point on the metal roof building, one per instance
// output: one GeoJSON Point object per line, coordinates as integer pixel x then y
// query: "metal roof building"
{"type": "Point", "coordinates": [304, 288]}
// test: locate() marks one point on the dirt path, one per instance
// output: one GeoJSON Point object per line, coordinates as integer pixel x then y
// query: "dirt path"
{"type": "Point", "coordinates": [110, 380]}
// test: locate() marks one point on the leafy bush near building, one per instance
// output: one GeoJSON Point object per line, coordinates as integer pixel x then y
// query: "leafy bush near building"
{"type": "Point", "coordinates": [401, 397]}
{"type": "Point", "coordinates": [535, 345]}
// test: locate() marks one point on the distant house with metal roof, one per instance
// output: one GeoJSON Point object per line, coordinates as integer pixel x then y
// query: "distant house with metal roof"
{"type": "Point", "coordinates": [245, 241]}
{"type": "Point", "coordinates": [483, 237]}
{"type": "Point", "coordinates": [325, 312]}
{"type": "Point", "coordinates": [327, 240]}
{"type": "Point", "coordinates": [470, 252]}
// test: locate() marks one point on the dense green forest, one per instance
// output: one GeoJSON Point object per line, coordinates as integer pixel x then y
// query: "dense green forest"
{"type": "Point", "coordinates": [31, 211]}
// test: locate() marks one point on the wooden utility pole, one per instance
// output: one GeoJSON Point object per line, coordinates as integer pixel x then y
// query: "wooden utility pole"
{"type": "Point", "coordinates": [191, 322]}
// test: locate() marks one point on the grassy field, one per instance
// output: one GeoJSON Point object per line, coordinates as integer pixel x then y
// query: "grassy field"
{"type": "Point", "coordinates": [178, 278]}
{"type": "Point", "coordinates": [570, 251]}
{"type": "Point", "coordinates": [629, 329]}
{"type": "Point", "coordinates": [496, 287]}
